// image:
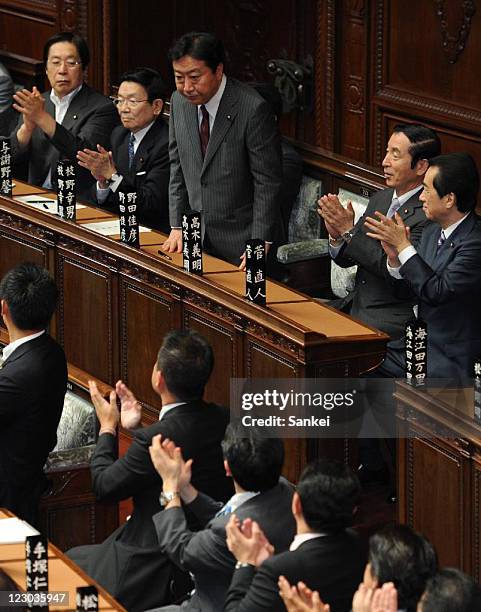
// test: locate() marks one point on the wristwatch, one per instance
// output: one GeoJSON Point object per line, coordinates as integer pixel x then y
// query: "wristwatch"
{"type": "Point", "coordinates": [347, 236]}
{"type": "Point", "coordinates": [167, 496]}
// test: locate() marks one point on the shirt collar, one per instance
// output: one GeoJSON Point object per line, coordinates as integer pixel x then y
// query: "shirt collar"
{"type": "Point", "coordinates": [405, 197]}
{"type": "Point", "coordinates": [300, 538]}
{"type": "Point", "coordinates": [449, 230]}
{"type": "Point", "coordinates": [212, 106]}
{"type": "Point", "coordinates": [167, 408]}
{"type": "Point", "coordinates": [240, 498]}
{"type": "Point", "coordinates": [8, 350]}
{"type": "Point", "coordinates": [65, 101]}
{"type": "Point", "coordinates": [138, 136]}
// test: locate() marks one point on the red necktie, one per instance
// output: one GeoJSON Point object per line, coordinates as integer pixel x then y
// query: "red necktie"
{"type": "Point", "coordinates": [204, 130]}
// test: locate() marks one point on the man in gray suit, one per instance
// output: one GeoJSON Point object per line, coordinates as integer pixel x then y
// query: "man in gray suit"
{"type": "Point", "coordinates": [7, 114]}
{"type": "Point", "coordinates": [69, 118]}
{"type": "Point", "coordinates": [224, 152]}
{"type": "Point", "coordinates": [375, 300]}
{"type": "Point", "coordinates": [255, 464]}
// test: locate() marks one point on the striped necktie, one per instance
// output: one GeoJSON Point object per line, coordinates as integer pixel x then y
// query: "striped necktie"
{"type": "Point", "coordinates": [204, 130]}
{"type": "Point", "coordinates": [441, 240]}
{"type": "Point", "coordinates": [395, 204]}
{"type": "Point", "coordinates": [131, 149]}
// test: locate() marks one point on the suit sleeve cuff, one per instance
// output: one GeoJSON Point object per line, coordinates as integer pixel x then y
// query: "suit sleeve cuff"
{"type": "Point", "coordinates": [406, 254]}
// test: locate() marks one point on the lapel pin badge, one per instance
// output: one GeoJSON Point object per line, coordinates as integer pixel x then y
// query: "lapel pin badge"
{"type": "Point", "coordinates": [229, 117]}
{"type": "Point", "coordinates": [405, 211]}
{"type": "Point", "coordinates": [75, 116]}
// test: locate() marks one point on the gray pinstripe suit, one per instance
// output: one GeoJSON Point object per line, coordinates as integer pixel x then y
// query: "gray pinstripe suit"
{"type": "Point", "coordinates": [237, 184]}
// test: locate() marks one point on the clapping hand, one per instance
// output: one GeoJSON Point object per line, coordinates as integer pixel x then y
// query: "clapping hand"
{"type": "Point", "coordinates": [300, 598]}
{"type": "Point", "coordinates": [247, 542]}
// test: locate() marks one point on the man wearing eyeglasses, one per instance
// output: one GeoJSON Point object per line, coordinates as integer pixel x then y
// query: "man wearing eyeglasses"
{"type": "Point", "coordinates": [66, 119]}
{"type": "Point", "coordinates": [139, 150]}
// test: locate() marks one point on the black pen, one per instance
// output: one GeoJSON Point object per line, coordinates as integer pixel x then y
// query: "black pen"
{"type": "Point", "coordinates": [164, 255]}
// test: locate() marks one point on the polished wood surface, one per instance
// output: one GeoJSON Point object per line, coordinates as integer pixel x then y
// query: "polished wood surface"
{"type": "Point", "coordinates": [63, 573]}
{"type": "Point", "coordinates": [116, 304]}
{"type": "Point", "coordinates": [439, 472]}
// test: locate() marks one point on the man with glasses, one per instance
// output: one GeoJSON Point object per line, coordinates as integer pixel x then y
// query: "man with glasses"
{"type": "Point", "coordinates": [139, 150]}
{"type": "Point", "coordinates": [66, 119]}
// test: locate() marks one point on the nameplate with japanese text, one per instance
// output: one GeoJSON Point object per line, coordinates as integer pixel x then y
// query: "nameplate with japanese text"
{"type": "Point", "coordinates": [36, 568]}
{"type": "Point", "coordinates": [192, 242]}
{"type": "Point", "coordinates": [129, 222]}
{"type": "Point", "coordinates": [66, 190]}
{"type": "Point", "coordinates": [5, 167]}
{"type": "Point", "coordinates": [256, 271]}
{"type": "Point", "coordinates": [416, 352]}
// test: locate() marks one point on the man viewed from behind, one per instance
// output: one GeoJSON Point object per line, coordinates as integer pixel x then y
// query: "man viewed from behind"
{"type": "Point", "coordinates": [33, 382]}
{"type": "Point", "coordinates": [254, 462]}
{"type": "Point", "coordinates": [139, 150]}
{"type": "Point", "coordinates": [325, 553]}
{"type": "Point", "coordinates": [129, 563]}
{"type": "Point", "coordinates": [68, 118]}
{"type": "Point", "coordinates": [224, 151]}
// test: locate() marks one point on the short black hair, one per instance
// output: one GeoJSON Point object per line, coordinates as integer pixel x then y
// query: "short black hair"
{"type": "Point", "coordinates": [254, 459]}
{"type": "Point", "coordinates": [150, 80]}
{"type": "Point", "coordinates": [451, 590]}
{"type": "Point", "coordinates": [31, 295]}
{"type": "Point", "coordinates": [186, 361]}
{"type": "Point", "coordinates": [202, 46]}
{"type": "Point", "coordinates": [424, 141]}
{"type": "Point", "coordinates": [400, 555]}
{"type": "Point", "coordinates": [458, 174]}
{"type": "Point", "coordinates": [69, 37]}
{"type": "Point", "coordinates": [329, 492]}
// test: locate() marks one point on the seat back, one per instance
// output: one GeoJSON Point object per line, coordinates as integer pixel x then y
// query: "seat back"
{"type": "Point", "coordinates": [343, 279]}
{"type": "Point", "coordinates": [304, 222]}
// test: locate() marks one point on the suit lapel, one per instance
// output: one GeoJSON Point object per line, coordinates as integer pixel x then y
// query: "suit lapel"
{"type": "Point", "coordinates": [76, 106]}
{"type": "Point", "coordinates": [145, 146]}
{"type": "Point", "coordinates": [224, 119]}
{"type": "Point", "coordinates": [410, 208]}
{"type": "Point", "coordinates": [24, 348]}
{"type": "Point", "coordinates": [438, 258]}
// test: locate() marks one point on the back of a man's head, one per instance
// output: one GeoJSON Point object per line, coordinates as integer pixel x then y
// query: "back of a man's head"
{"type": "Point", "coordinates": [399, 554]}
{"type": "Point", "coordinates": [425, 143]}
{"type": "Point", "coordinates": [31, 296]}
{"type": "Point", "coordinates": [450, 590]}
{"type": "Point", "coordinates": [255, 460]}
{"type": "Point", "coordinates": [329, 492]}
{"type": "Point", "coordinates": [202, 46]}
{"type": "Point", "coordinates": [186, 361]}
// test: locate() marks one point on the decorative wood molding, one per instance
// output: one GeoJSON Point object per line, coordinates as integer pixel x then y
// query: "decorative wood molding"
{"type": "Point", "coordinates": [324, 66]}
{"type": "Point", "coordinates": [252, 345]}
{"type": "Point", "coordinates": [454, 44]}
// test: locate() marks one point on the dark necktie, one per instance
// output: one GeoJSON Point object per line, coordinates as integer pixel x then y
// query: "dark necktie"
{"type": "Point", "coordinates": [131, 150]}
{"type": "Point", "coordinates": [204, 130]}
{"type": "Point", "coordinates": [441, 240]}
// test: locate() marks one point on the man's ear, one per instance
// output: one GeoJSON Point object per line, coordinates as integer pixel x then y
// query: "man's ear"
{"type": "Point", "coordinates": [157, 106]}
{"type": "Point", "coordinates": [4, 308]}
{"type": "Point", "coordinates": [421, 167]}
{"type": "Point", "coordinates": [158, 380]}
{"type": "Point", "coordinates": [227, 468]}
{"type": "Point", "coordinates": [296, 505]}
{"type": "Point", "coordinates": [450, 200]}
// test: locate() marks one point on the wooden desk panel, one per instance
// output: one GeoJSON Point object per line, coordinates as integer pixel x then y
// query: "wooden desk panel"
{"type": "Point", "coordinates": [117, 302]}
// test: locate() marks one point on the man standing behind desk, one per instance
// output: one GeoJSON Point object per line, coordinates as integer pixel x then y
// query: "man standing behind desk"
{"type": "Point", "coordinates": [33, 381]}
{"type": "Point", "coordinates": [224, 152]}
{"type": "Point", "coordinates": [139, 157]}
{"type": "Point", "coordinates": [68, 118]}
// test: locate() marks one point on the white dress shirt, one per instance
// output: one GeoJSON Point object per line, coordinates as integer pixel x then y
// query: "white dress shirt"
{"type": "Point", "coordinates": [8, 350]}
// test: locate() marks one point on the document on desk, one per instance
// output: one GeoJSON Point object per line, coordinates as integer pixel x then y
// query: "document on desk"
{"type": "Point", "coordinates": [42, 203]}
{"type": "Point", "coordinates": [110, 228]}
{"type": "Point", "coordinates": [13, 530]}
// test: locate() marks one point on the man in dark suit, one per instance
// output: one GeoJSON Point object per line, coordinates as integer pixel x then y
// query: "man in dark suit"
{"type": "Point", "coordinates": [444, 271]}
{"type": "Point", "coordinates": [68, 118]}
{"type": "Point", "coordinates": [7, 114]}
{"type": "Point", "coordinates": [224, 152]}
{"type": "Point", "coordinates": [139, 151]}
{"type": "Point", "coordinates": [33, 381]}
{"type": "Point", "coordinates": [375, 299]}
{"type": "Point", "coordinates": [324, 554]}
{"type": "Point", "coordinates": [254, 462]}
{"type": "Point", "coordinates": [129, 563]}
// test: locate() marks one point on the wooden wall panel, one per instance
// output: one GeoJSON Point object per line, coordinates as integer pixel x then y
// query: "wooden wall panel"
{"type": "Point", "coordinates": [90, 284]}
{"type": "Point", "coordinates": [145, 317]}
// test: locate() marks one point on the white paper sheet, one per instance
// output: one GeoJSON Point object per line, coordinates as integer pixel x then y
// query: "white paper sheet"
{"type": "Point", "coordinates": [42, 203]}
{"type": "Point", "coordinates": [13, 530]}
{"type": "Point", "coordinates": [110, 228]}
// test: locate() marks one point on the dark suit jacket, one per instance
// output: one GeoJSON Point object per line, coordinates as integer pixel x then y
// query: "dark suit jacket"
{"type": "Point", "coordinates": [377, 299]}
{"type": "Point", "coordinates": [205, 553]}
{"type": "Point", "coordinates": [237, 184]}
{"type": "Point", "coordinates": [129, 563]}
{"type": "Point", "coordinates": [447, 285]}
{"type": "Point", "coordinates": [33, 381]}
{"type": "Point", "coordinates": [89, 121]}
{"type": "Point", "coordinates": [332, 565]}
{"type": "Point", "coordinates": [149, 175]}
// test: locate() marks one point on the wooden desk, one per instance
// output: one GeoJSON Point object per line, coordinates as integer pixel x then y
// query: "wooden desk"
{"type": "Point", "coordinates": [439, 472]}
{"type": "Point", "coordinates": [118, 302]}
{"type": "Point", "coordinates": [64, 574]}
